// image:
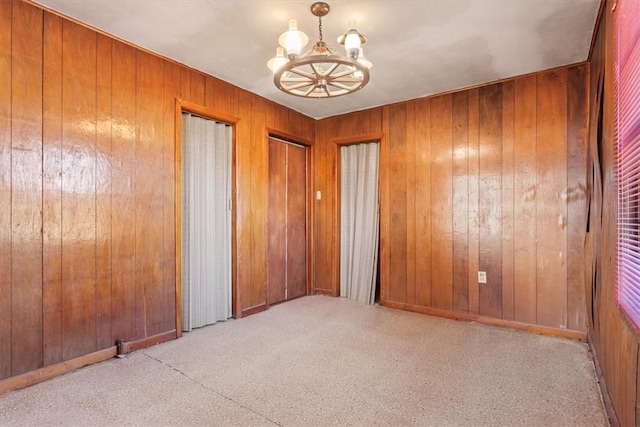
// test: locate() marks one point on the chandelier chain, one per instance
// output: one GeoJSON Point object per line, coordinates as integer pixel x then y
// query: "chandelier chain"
{"type": "Point", "coordinates": [320, 26]}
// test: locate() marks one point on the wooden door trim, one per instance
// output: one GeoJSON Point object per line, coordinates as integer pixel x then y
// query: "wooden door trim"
{"type": "Point", "coordinates": [308, 144]}
{"type": "Point", "coordinates": [337, 144]}
{"type": "Point", "coordinates": [208, 113]}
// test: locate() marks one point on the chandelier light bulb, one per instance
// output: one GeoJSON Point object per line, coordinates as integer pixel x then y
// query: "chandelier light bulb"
{"type": "Point", "coordinates": [277, 61]}
{"type": "Point", "coordinates": [293, 40]}
{"type": "Point", "coordinates": [352, 40]}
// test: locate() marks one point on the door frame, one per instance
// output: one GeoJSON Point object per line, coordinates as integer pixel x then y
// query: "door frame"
{"type": "Point", "coordinates": [382, 194]}
{"type": "Point", "coordinates": [293, 139]}
{"type": "Point", "coordinates": [207, 113]}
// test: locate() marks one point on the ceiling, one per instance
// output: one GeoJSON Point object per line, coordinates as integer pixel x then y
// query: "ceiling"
{"type": "Point", "coordinates": [418, 48]}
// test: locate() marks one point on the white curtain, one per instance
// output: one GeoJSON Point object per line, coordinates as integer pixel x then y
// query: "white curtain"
{"type": "Point", "coordinates": [359, 218]}
{"type": "Point", "coordinates": [206, 221]}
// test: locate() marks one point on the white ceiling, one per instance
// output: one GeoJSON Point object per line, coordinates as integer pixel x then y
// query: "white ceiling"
{"type": "Point", "coordinates": [418, 48]}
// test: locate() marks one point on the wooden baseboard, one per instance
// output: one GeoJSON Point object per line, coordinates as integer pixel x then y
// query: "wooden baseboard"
{"type": "Point", "coordinates": [606, 397]}
{"type": "Point", "coordinates": [253, 310]}
{"type": "Point", "coordinates": [542, 330]}
{"type": "Point", "coordinates": [128, 347]}
{"type": "Point", "coordinates": [48, 372]}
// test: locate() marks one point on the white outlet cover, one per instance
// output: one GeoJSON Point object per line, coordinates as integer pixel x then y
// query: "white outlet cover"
{"type": "Point", "coordinates": [482, 277]}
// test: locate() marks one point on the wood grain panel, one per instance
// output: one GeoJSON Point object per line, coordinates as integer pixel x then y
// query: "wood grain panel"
{"type": "Point", "coordinates": [442, 202]}
{"type": "Point", "coordinates": [123, 184]}
{"type": "Point", "coordinates": [149, 195]}
{"type": "Point", "coordinates": [474, 197]}
{"type": "Point", "coordinates": [423, 201]}
{"type": "Point", "coordinates": [171, 92]}
{"type": "Point", "coordinates": [104, 338]}
{"type": "Point", "coordinates": [525, 251]}
{"type": "Point", "coordinates": [508, 197]}
{"type": "Point", "coordinates": [411, 201]}
{"type": "Point", "coordinates": [197, 87]}
{"type": "Point", "coordinates": [52, 192]}
{"type": "Point", "coordinates": [277, 222]}
{"type": "Point", "coordinates": [296, 221]}
{"type": "Point", "coordinates": [551, 221]}
{"type": "Point", "coordinates": [461, 202]}
{"type": "Point", "coordinates": [577, 123]}
{"type": "Point", "coordinates": [5, 189]}
{"type": "Point", "coordinates": [244, 202]}
{"type": "Point", "coordinates": [78, 190]}
{"type": "Point", "coordinates": [490, 199]}
{"type": "Point", "coordinates": [259, 194]}
{"type": "Point", "coordinates": [397, 238]}
{"type": "Point", "coordinates": [26, 185]}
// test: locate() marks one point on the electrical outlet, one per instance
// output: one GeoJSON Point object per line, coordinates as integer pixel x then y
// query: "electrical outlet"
{"type": "Point", "coordinates": [318, 195]}
{"type": "Point", "coordinates": [482, 277]}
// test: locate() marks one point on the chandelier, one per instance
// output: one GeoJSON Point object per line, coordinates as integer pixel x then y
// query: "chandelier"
{"type": "Point", "coordinates": [321, 72]}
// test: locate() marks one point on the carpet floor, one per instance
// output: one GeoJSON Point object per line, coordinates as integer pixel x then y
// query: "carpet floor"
{"type": "Point", "coordinates": [320, 361]}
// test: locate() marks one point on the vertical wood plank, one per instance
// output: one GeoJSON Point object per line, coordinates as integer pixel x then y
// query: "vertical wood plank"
{"type": "Point", "coordinates": [149, 195]}
{"type": "Point", "coordinates": [244, 202]}
{"type": "Point", "coordinates": [442, 202]}
{"type": "Point", "coordinates": [277, 221]}
{"type": "Point", "coordinates": [461, 202]}
{"type": "Point", "coordinates": [411, 202]}
{"type": "Point", "coordinates": [578, 119]}
{"type": "Point", "coordinates": [26, 184]}
{"type": "Point", "coordinates": [384, 206]}
{"type": "Point", "coordinates": [52, 192]}
{"type": "Point", "coordinates": [104, 336]}
{"type": "Point", "coordinates": [398, 203]}
{"type": "Point", "coordinates": [79, 190]}
{"type": "Point", "coordinates": [423, 201]}
{"type": "Point", "coordinates": [5, 189]}
{"type": "Point", "coordinates": [525, 190]}
{"type": "Point", "coordinates": [197, 87]}
{"type": "Point", "coordinates": [185, 84]}
{"type": "Point", "coordinates": [259, 194]}
{"type": "Point", "coordinates": [474, 182]}
{"type": "Point", "coordinates": [508, 217]}
{"type": "Point", "coordinates": [123, 184]}
{"type": "Point", "coordinates": [551, 220]}
{"type": "Point", "coordinates": [489, 201]}
{"type": "Point", "coordinates": [171, 92]}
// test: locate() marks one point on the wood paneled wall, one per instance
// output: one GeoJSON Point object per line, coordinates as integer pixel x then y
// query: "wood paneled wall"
{"type": "Point", "coordinates": [614, 341]}
{"type": "Point", "coordinates": [87, 187]}
{"type": "Point", "coordinates": [488, 179]}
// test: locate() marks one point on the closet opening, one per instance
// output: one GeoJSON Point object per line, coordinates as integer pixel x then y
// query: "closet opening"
{"type": "Point", "coordinates": [205, 227]}
{"type": "Point", "coordinates": [359, 220]}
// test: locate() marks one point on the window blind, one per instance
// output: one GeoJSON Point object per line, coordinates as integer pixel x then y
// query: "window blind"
{"type": "Point", "coordinates": [627, 58]}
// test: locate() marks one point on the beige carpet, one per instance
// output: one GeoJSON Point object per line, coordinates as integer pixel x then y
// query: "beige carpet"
{"type": "Point", "coordinates": [320, 361]}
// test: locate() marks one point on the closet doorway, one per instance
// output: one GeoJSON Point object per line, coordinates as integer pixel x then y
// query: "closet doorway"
{"type": "Point", "coordinates": [287, 221]}
{"type": "Point", "coordinates": [206, 226]}
{"type": "Point", "coordinates": [359, 221]}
